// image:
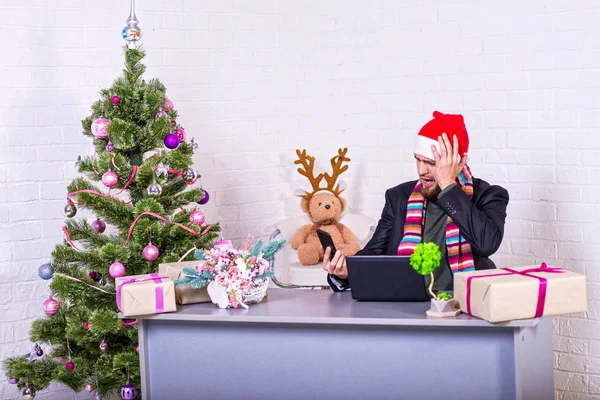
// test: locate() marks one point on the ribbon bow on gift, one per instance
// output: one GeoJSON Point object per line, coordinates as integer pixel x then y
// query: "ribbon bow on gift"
{"type": "Point", "coordinates": [539, 310]}
{"type": "Point", "coordinates": [158, 290]}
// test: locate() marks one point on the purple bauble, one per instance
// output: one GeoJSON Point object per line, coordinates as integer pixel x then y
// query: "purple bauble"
{"type": "Point", "coordinates": [97, 397]}
{"type": "Point", "coordinates": [110, 147]}
{"type": "Point", "coordinates": [51, 306]}
{"type": "Point", "coordinates": [180, 132]}
{"type": "Point", "coordinates": [197, 217]}
{"type": "Point", "coordinates": [98, 226]}
{"type": "Point", "coordinates": [171, 141]}
{"type": "Point", "coordinates": [110, 179]}
{"type": "Point", "coordinates": [205, 198]}
{"type": "Point", "coordinates": [150, 252]}
{"type": "Point", "coordinates": [116, 269]}
{"type": "Point", "coordinates": [128, 392]}
{"type": "Point", "coordinates": [103, 345]}
{"type": "Point", "coordinates": [115, 99]}
{"type": "Point", "coordinates": [99, 128]}
{"type": "Point", "coordinates": [12, 381]}
{"type": "Point", "coordinates": [160, 113]}
{"type": "Point", "coordinates": [38, 350]}
{"type": "Point", "coordinates": [69, 366]}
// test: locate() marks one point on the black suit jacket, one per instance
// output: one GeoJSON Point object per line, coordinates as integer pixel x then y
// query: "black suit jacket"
{"type": "Point", "coordinates": [480, 221]}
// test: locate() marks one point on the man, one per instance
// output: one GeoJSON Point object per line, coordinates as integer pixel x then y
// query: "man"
{"type": "Point", "coordinates": [463, 215]}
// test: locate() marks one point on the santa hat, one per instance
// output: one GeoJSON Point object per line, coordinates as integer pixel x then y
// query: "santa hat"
{"type": "Point", "coordinates": [451, 124]}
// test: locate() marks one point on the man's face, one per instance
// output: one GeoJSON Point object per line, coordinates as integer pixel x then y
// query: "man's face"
{"type": "Point", "coordinates": [426, 170]}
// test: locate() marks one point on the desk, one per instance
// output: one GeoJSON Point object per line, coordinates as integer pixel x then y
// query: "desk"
{"type": "Point", "coordinates": [305, 344]}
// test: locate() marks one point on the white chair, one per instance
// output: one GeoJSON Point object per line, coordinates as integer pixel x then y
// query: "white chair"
{"type": "Point", "coordinates": [289, 272]}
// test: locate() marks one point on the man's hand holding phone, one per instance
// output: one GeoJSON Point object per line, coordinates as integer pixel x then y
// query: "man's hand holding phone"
{"type": "Point", "coordinates": [336, 265]}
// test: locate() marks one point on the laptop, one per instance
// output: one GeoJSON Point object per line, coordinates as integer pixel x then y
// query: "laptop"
{"type": "Point", "coordinates": [385, 278]}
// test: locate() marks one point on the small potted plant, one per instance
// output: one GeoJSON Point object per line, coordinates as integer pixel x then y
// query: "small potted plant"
{"type": "Point", "coordinates": [234, 277]}
{"type": "Point", "coordinates": [425, 259]}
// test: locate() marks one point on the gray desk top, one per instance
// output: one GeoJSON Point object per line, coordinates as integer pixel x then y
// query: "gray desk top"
{"type": "Point", "coordinates": [299, 306]}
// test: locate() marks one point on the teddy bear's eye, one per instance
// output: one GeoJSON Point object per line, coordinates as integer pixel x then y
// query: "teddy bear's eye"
{"type": "Point", "coordinates": [319, 203]}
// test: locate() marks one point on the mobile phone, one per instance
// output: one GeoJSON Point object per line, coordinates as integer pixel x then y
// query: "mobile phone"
{"type": "Point", "coordinates": [326, 241]}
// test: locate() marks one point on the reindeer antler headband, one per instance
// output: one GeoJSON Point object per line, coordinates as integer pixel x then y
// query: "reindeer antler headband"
{"type": "Point", "coordinates": [308, 163]}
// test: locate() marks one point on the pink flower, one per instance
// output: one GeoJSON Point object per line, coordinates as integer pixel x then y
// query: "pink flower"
{"type": "Point", "coordinates": [246, 282]}
{"type": "Point", "coordinates": [233, 299]}
{"type": "Point", "coordinates": [263, 265]}
{"type": "Point", "coordinates": [221, 279]}
{"type": "Point", "coordinates": [233, 274]}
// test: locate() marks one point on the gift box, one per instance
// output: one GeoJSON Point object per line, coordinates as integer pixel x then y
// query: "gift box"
{"type": "Point", "coordinates": [506, 294]}
{"type": "Point", "coordinates": [184, 295]}
{"type": "Point", "coordinates": [145, 294]}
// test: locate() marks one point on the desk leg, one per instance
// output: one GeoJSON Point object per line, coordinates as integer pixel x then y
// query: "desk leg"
{"type": "Point", "coordinates": [534, 370]}
{"type": "Point", "coordinates": [144, 371]}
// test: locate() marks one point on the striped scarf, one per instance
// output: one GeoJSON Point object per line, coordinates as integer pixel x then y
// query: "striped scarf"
{"type": "Point", "coordinates": [460, 255]}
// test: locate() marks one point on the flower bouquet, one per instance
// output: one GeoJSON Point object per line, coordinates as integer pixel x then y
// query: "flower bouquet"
{"type": "Point", "coordinates": [235, 277]}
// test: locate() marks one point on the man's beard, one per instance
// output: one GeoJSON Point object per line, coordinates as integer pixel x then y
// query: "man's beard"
{"type": "Point", "coordinates": [431, 193]}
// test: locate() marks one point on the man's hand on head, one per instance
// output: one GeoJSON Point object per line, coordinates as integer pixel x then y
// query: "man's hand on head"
{"type": "Point", "coordinates": [448, 162]}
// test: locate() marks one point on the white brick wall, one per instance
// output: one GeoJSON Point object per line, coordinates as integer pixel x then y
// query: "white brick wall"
{"type": "Point", "coordinates": [254, 80]}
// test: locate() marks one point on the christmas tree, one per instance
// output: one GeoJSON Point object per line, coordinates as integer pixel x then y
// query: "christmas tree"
{"type": "Point", "coordinates": [139, 180]}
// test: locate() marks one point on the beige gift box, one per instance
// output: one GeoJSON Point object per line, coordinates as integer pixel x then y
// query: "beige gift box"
{"type": "Point", "coordinates": [184, 295]}
{"type": "Point", "coordinates": [515, 296]}
{"type": "Point", "coordinates": [145, 294]}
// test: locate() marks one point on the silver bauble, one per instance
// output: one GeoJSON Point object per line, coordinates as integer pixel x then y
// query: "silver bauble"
{"type": "Point", "coordinates": [154, 189]}
{"type": "Point", "coordinates": [70, 210]}
{"type": "Point", "coordinates": [188, 175]}
{"type": "Point", "coordinates": [27, 394]}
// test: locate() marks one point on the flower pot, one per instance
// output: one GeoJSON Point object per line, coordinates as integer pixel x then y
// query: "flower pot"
{"type": "Point", "coordinates": [443, 308]}
{"type": "Point", "coordinates": [256, 292]}
{"type": "Point", "coordinates": [218, 295]}
{"type": "Point", "coordinates": [252, 294]}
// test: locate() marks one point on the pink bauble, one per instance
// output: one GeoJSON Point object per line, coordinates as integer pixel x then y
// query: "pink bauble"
{"type": "Point", "coordinates": [116, 269]}
{"type": "Point", "coordinates": [70, 366]}
{"type": "Point", "coordinates": [115, 100]}
{"type": "Point", "coordinates": [98, 225]}
{"type": "Point", "coordinates": [98, 128]}
{"type": "Point", "coordinates": [223, 245]}
{"type": "Point", "coordinates": [180, 132]}
{"type": "Point", "coordinates": [51, 306]}
{"type": "Point", "coordinates": [197, 217]}
{"type": "Point", "coordinates": [89, 387]}
{"type": "Point", "coordinates": [150, 252]}
{"type": "Point", "coordinates": [168, 104]}
{"type": "Point", "coordinates": [110, 179]}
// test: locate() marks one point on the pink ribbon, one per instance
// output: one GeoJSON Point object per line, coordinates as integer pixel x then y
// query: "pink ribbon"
{"type": "Point", "coordinates": [174, 171]}
{"type": "Point", "coordinates": [539, 309]}
{"type": "Point", "coordinates": [164, 220]}
{"type": "Point", "coordinates": [133, 172]}
{"type": "Point", "coordinates": [64, 228]}
{"type": "Point", "coordinates": [158, 290]}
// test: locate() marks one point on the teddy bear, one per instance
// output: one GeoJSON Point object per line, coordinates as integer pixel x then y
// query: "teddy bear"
{"type": "Point", "coordinates": [324, 206]}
